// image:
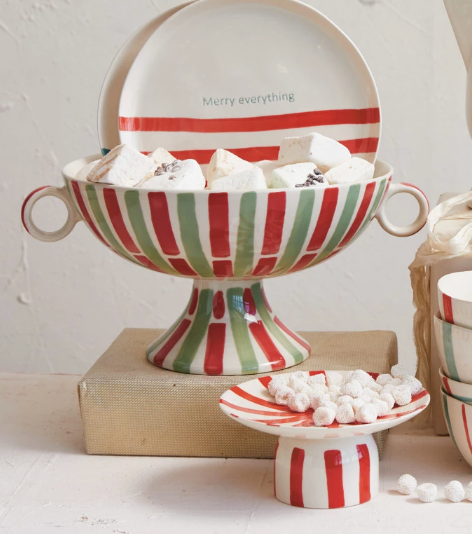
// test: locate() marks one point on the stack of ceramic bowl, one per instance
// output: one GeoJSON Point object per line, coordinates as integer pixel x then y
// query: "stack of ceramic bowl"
{"type": "Point", "coordinates": [453, 327]}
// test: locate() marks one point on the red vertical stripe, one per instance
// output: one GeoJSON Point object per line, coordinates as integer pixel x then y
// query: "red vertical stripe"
{"type": "Point", "coordinates": [447, 305]}
{"type": "Point", "coordinates": [466, 428]}
{"type": "Point", "coordinates": [364, 473]}
{"type": "Point", "coordinates": [171, 342]}
{"type": "Point", "coordinates": [161, 222]}
{"type": "Point", "coordinates": [116, 218]}
{"type": "Point", "coordinates": [446, 385]}
{"type": "Point", "coordinates": [249, 304]}
{"type": "Point", "coordinates": [181, 266]}
{"type": "Point", "coordinates": [218, 305]}
{"type": "Point", "coordinates": [193, 303]}
{"type": "Point", "coordinates": [294, 336]}
{"type": "Point", "coordinates": [325, 218]}
{"type": "Point", "coordinates": [215, 348]}
{"type": "Point", "coordinates": [223, 268]}
{"type": "Point", "coordinates": [218, 213]}
{"type": "Point", "coordinates": [361, 213]}
{"type": "Point", "coordinates": [334, 477]}
{"type": "Point", "coordinates": [303, 262]}
{"type": "Point", "coordinates": [272, 353]}
{"type": "Point", "coordinates": [85, 213]}
{"type": "Point", "coordinates": [275, 469]}
{"type": "Point", "coordinates": [264, 266]}
{"type": "Point", "coordinates": [274, 222]}
{"type": "Point", "coordinates": [296, 477]}
{"type": "Point", "coordinates": [147, 263]}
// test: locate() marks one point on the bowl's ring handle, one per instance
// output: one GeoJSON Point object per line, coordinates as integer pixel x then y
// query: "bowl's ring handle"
{"type": "Point", "coordinates": [418, 224]}
{"type": "Point", "coordinates": [73, 216]}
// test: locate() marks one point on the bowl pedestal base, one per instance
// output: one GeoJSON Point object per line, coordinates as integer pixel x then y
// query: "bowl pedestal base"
{"type": "Point", "coordinates": [228, 328]}
{"type": "Point", "coordinates": [326, 473]}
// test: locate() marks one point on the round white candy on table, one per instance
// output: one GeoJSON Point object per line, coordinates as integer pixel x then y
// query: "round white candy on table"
{"type": "Point", "coordinates": [343, 399]}
{"type": "Point", "coordinates": [324, 416]}
{"type": "Point", "coordinates": [299, 402]}
{"type": "Point", "coordinates": [345, 414]}
{"type": "Point", "coordinates": [316, 379]}
{"type": "Point", "coordinates": [413, 383]}
{"type": "Point", "coordinates": [283, 395]}
{"type": "Point", "coordinates": [384, 379]}
{"type": "Point", "coordinates": [454, 491]}
{"type": "Point", "coordinates": [402, 395]}
{"type": "Point", "coordinates": [366, 414]}
{"type": "Point", "coordinates": [381, 407]}
{"type": "Point", "coordinates": [399, 371]}
{"type": "Point", "coordinates": [406, 484]}
{"type": "Point", "coordinates": [352, 388]}
{"type": "Point", "coordinates": [357, 404]}
{"type": "Point", "coordinates": [388, 398]}
{"type": "Point", "coordinates": [427, 492]}
{"type": "Point", "coordinates": [468, 491]}
{"type": "Point", "coordinates": [333, 378]}
{"type": "Point", "coordinates": [361, 376]}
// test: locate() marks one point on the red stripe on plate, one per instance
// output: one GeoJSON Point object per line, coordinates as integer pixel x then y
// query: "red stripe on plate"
{"type": "Point", "coordinates": [264, 266]}
{"type": "Point", "coordinates": [304, 119]}
{"type": "Point", "coordinates": [218, 305]}
{"type": "Point", "coordinates": [466, 428]}
{"type": "Point", "coordinates": [248, 300]}
{"type": "Point", "coordinates": [257, 400]}
{"type": "Point", "coordinates": [253, 411]}
{"type": "Point", "coordinates": [364, 473]}
{"type": "Point", "coordinates": [274, 223]}
{"type": "Point", "coordinates": [116, 218]}
{"type": "Point", "coordinates": [361, 213]}
{"type": "Point", "coordinates": [325, 218]}
{"type": "Point", "coordinates": [147, 263]}
{"type": "Point", "coordinates": [334, 477]}
{"type": "Point", "coordinates": [193, 303]}
{"type": "Point", "coordinates": [294, 336]}
{"type": "Point", "coordinates": [85, 213]}
{"type": "Point", "coordinates": [171, 342]}
{"type": "Point", "coordinates": [272, 353]}
{"type": "Point", "coordinates": [303, 262]}
{"type": "Point", "coordinates": [265, 381]}
{"type": "Point", "coordinates": [215, 348]}
{"type": "Point", "coordinates": [218, 212]}
{"type": "Point", "coordinates": [223, 268]}
{"type": "Point", "coordinates": [447, 305]}
{"type": "Point", "coordinates": [181, 266]}
{"type": "Point", "coordinates": [296, 477]}
{"type": "Point", "coordinates": [161, 223]}
{"type": "Point", "coordinates": [23, 207]}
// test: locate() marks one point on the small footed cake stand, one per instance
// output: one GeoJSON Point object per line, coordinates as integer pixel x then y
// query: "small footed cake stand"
{"type": "Point", "coordinates": [316, 467]}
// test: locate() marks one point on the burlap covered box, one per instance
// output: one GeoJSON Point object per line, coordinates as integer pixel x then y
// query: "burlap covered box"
{"type": "Point", "coordinates": [131, 407]}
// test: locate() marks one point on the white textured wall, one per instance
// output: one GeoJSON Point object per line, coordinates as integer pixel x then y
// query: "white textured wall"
{"type": "Point", "coordinates": [63, 303]}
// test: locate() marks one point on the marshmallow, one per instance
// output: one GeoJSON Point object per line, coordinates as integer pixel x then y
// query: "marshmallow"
{"type": "Point", "coordinates": [353, 388]}
{"type": "Point", "coordinates": [299, 402]}
{"type": "Point", "coordinates": [324, 152]}
{"type": "Point", "coordinates": [383, 380]}
{"type": "Point", "coordinates": [275, 384]}
{"type": "Point", "coordinates": [316, 379]}
{"type": "Point", "coordinates": [302, 375]}
{"type": "Point", "coordinates": [224, 163]}
{"type": "Point", "coordinates": [381, 407]}
{"type": "Point", "coordinates": [160, 156]}
{"type": "Point", "coordinates": [388, 398]}
{"type": "Point", "coordinates": [399, 371]}
{"type": "Point", "coordinates": [396, 382]}
{"type": "Point", "coordinates": [366, 414]}
{"type": "Point", "coordinates": [354, 170]}
{"type": "Point", "coordinates": [85, 171]}
{"type": "Point", "coordinates": [250, 179]}
{"type": "Point", "coordinates": [185, 174]}
{"type": "Point", "coordinates": [388, 388]}
{"type": "Point", "coordinates": [122, 166]}
{"type": "Point", "coordinates": [283, 395]}
{"type": "Point", "coordinates": [333, 378]}
{"type": "Point", "coordinates": [296, 384]}
{"type": "Point", "coordinates": [317, 401]}
{"type": "Point", "coordinates": [267, 167]}
{"type": "Point", "coordinates": [343, 399]}
{"type": "Point", "coordinates": [427, 492]}
{"type": "Point", "coordinates": [345, 414]}
{"type": "Point", "coordinates": [362, 377]}
{"type": "Point", "coordinates": [368, 391]}
{"type": "Point", "coordinates": [357, 404]}
{"type": "Point", "coordinates": [468, 492]}
{"type": "Point", "coordinates": [402, 395]}
{"type": "Point", "coordinates": [324, 416]}
{"type": "Point", "coordinates": [297, 175]}
{"type": "Point", "coordinates": [413, 383]}
{"type": "Point", "coordinates": [454, 491]}
{"type": "Point", "coordinates": [328, 403]}
{"type": "Point", "coordinates": [406, 484]}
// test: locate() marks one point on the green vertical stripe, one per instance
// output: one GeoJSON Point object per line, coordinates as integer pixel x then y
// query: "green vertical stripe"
{"type": "Point", "coordinates": [264, 314]}
{"type": "Point", "coordinates": [448, 419]}
{"type": "Point", "coordinates": [197, 332]}
{"type": "Point", "coordinates": [136, 217]}
{"type": "Point", "coordinates": [375, 205]}
{"type": "Point", "coordinates": [344, 221]}
{"type": "Point", "coordinates": [449, 351]}
{"type": "Point", "coordinates": [299, 230]}
{"type": "Point", "coordinates": [239, 327]}
{"type": "Point", "coordinates": [189, 233]}
{"type": "Point", "coordinates": [243, 262]}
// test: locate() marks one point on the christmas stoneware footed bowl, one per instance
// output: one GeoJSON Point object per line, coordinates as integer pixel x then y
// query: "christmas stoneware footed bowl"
{"type": "Point", "coordinates": [317, 467]}
{"type": "Point", "coordinates": [228, 242]}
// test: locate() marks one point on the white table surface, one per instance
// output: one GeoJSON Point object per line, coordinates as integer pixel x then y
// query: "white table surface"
{"type": "Point", "coordinates": [49, 485]}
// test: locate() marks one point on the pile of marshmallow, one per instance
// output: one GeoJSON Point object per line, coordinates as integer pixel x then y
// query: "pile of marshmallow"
{"type": "Point", "coordinates": [309, 161]}
{"type": "Point", "coordinates": [428, 492]}
{"type": "Point", "coordinates": [354, 397]}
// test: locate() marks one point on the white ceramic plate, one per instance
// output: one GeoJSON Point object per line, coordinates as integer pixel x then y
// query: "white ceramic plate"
{"type": "Point", "coordinates": [252, 405]}
{"type": "Point", "coordinates": [242, 75]}
{"type": "Point", "coordinates": [113, 84]}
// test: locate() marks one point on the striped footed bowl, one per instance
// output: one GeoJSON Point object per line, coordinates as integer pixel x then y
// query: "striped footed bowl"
{"type": "Point", "coordinates": [227, 242]}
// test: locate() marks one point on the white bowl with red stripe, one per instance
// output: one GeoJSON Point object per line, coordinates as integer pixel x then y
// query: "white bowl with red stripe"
{"type": "Point", "coordinates": [227, 242]}
{"type": "Point", "coordinates": [455, 298]}
{"type": "Point", "coordinates": [458, 416]}
{"type": "Point", "coordinates": [316, 467]}
{"type": "Point", "coordinates": [459, 390]}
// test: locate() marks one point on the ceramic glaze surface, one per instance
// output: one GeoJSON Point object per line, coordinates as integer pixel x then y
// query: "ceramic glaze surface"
{"type": "Point", "coordinates": [458, 416]}
{"type": "Point", "coordinates": [455, 298]}
{"type": "Point", "coordinates": [459, 390]}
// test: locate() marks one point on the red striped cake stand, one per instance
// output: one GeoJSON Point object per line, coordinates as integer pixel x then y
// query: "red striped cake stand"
{"type": "Point", "coordinates": [316, 467]}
